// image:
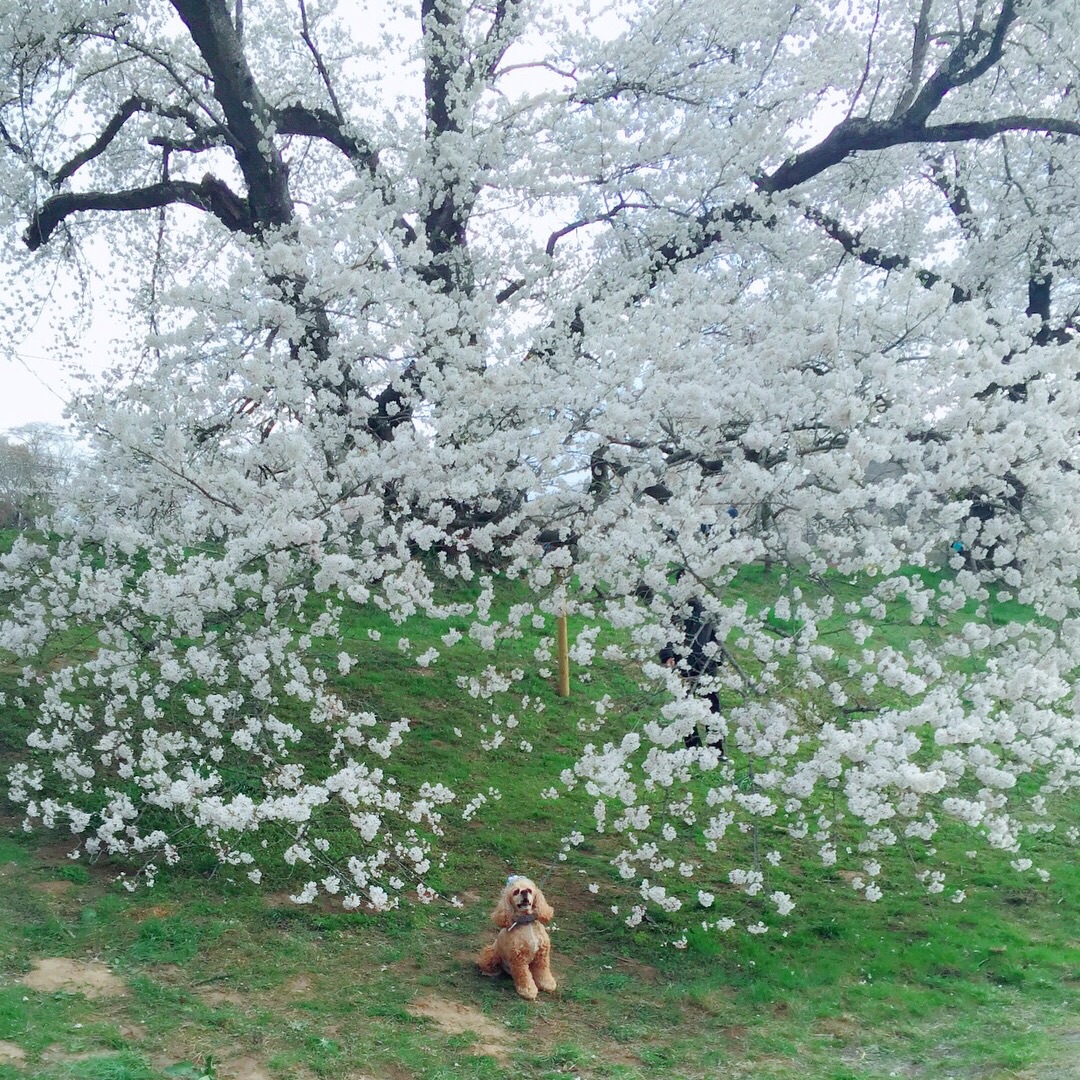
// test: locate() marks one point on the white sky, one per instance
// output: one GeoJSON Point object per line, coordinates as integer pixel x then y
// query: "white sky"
{"type": "Point", "coordinates": [44, 359]}
{"type": "Point", "coordinates": [34, 390]}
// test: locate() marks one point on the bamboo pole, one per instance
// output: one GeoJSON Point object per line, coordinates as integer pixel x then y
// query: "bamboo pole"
{"type": "Point", "coordinates": [563, 643]}
{"type": "Point", "coordinates": [564, 655]}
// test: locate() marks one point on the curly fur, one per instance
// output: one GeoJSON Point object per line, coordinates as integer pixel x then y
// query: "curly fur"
{"type": "Point", "coordinates": [522, 947]}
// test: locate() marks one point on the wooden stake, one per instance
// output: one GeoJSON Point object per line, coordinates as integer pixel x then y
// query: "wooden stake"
{"type": "Point", "coordinates": [564, 656]}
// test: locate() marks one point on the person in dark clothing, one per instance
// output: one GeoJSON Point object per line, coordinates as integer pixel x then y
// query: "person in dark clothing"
{"type": "Point", "coordinates": [697, 661]}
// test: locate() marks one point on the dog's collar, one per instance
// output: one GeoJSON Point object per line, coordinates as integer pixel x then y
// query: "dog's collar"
{"type": "Point", "coordinates": [521, 920]}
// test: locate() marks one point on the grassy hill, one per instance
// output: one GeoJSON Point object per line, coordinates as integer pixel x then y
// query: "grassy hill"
{"type": "Point", "coordinates": [207, 975]}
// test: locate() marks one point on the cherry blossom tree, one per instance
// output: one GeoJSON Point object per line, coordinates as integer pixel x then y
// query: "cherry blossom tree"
{"type": "Point", "coordinates": [634, 297]}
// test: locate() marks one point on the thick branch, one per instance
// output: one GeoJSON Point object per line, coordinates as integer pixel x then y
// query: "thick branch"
{"type": "Point", "coordinates": [955, 194]}
{"type": "Point", "coordinates": [246, 113]}
{"type": "Point", "coordinates": [102, 142]}
{"type": "Point", "coordinates": [210, 194]}
{"type": "Point", "coordinates": [978, 130]}
{"type": "Point", "coordinates": [859, 133]}
{"type": "Point", "coordinates": [450, 195]}
{"type": "Point", "coordinates": [964, 65]}
{"type": "Point", "coordinates": [869, 255]}
{"type": "Point", "coordinates": [918, 58]}
{"type": "Point", "coordinates": [319, 124]}
{"type": "Point", "coordinates": [499, 37]}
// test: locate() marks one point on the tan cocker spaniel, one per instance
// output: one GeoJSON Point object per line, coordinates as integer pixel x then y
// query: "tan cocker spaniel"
{"type": "Point", "coordinates": [522, 947]}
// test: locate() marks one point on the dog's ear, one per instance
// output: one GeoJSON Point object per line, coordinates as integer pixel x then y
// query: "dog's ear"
{"type": "Point", "coordinates": [544, 911]}
{"type": "Point", "coordinates": [503, 915]}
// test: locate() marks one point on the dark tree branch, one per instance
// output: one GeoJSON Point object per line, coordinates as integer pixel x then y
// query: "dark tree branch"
{"type": "Point", "coordinates": [979, 130]}
{"type": "Point", "coordinates": [211, 194]}
{"type": "Point", "coordinates": [247, 115]}
{"type": "Point", "coordinates": [955, 194]}
{"type": "Point", "coordinates": [581, 223]}
{"type": "Point", "coordinates": [701, 234]}
{"type": "Point", "coordinates": [126, 111]}
{"type": "Point", "coordinates": [499, 37]}
{"type": "Point", "coordinates": [869, 56]}
{"type": "Point", "coordinates": [853, 245]}
{"type": "Point", "coordinates": [21, 151]}
{"type": "Point", "coordinates": [309, 41]}
{"type": "Point", "coordinates": [319, 124]}
{"type": "Point", "coordinates": [964, 64]}
{"type": "Point", "coordinates": [450, 197]}
{"type": "Point", "coordinates": [507, 291]}
{"type": "Point", "coordinates": [975, 53]}
{"type": "Point", "coordinates": [197, 144]}
{"type": "Point", "coordinates": [918, 59]}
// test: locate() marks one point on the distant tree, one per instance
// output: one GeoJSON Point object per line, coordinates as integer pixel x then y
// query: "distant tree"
{"type": "Point", "coordinates": [494, 285]}
{"type": "Point", "coordinates": [36, 462]}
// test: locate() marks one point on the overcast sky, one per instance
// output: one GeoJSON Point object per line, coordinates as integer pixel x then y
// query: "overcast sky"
{"type": "Point", "coordinates": [53, 326]}
{"type": "Point", "coordinates": [34, 390]}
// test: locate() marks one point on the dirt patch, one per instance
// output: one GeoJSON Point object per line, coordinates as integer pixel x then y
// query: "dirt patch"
{"type": "Point", "coordinates": [844, 1028]}
{"type": "Point", "coordinates": [154, 911]}
{"type": "Point", "coordinates": [57, 853]}
{"type": "Point", "coordinates": [214, 998]}
{"type": "Point", "coordinates": [322, 904]}
{"type": "Point", "coordinates": [644, 973]}
{"type": "Point", "coordinates": [88, 977]}
{"type": "Point", "coordinates": [457, 1019]}
{"type": "Point", "coordinates": [52, 1056]}
{"type": "Point", "coordinates": [10, 1054]}
{"type": "Point", "coordinates": [242, 1068]}
{"type": "Point", "coordinates": [53, 888]}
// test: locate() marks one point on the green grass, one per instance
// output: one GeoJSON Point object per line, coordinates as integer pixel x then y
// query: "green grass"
{"type": "Point", "coordinates": [219, 975]}
{"type": "Point", "coordinates": [910, 986]}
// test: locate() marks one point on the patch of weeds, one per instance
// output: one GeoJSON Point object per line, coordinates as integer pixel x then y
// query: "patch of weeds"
{"type": "Point", "coordinates": [391, 1010]}
{"type": "Point", "coordinates": [149, 994]}
{"type": "Point", "coordinates": [16, 1012]}
{"type": "Point", "coordinates": [1008, 975]}
{"type": "Point", "coordinates": [611, 983]}
{"type": "Point", "coordinates": [114, 1067]}
{"type": "Point", "coordinates": [73, 872]}
{"type": "Point", "coordinates": [171, 940]}
{"type": "Point", "coordinates": [656, 1056]}
{"type": "Point", "coordinates": [11, 851]}
{"type": "Point", "coordinates": [49, 935]}
{"type": "Point", "coordinates": [518, 1018]}
{"type": "Point", "coordinates": [566, 1057]}
{"type": "Point", "coordinates": [186, 1070]}
{"type": "Point", "coordinates": [462, 1041]}
{"type": "Point", "coordinates": [626, 1032]}
{"type": "Point", "coordinates": [315, 1052]}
